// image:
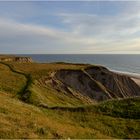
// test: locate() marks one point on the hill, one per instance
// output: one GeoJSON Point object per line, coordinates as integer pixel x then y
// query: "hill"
{"type": "Point", "coordinates": [61, 100]}
{"type": "Point", "coordinates": [110, 119]}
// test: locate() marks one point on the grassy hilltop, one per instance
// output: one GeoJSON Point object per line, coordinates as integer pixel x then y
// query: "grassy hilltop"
{"type": "Point", "coordinates": [32, 105]}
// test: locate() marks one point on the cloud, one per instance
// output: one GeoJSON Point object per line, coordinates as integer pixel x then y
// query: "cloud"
{"type": "Point", "coordinates": [96, 25]}
{"type": "Point", "coordinates": [27, 37]}
{"type": "Point", "coordinates": [113, 33]}
{"type": "Point", "coordinates": [81, 33]}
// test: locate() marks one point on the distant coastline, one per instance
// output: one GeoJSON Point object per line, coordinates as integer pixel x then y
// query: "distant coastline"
{"type": "Point", "coordinates": [119, 62]}
{"type": "Point", "coordinates": [120, 68]}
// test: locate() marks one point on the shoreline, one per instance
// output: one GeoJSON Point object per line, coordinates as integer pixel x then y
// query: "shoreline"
{"type": "Point", "coordinates": [134, 76]}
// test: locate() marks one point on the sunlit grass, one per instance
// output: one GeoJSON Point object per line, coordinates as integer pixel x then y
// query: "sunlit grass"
{"type": "Point", "coordinates": [20, 120]}
{"type": "Point", "coordinates": [66, 116]}
{"type": "Point", "coordinates": [10, 82]}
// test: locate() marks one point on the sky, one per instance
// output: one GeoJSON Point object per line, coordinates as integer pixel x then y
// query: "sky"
{"type": "Point", "coordinates": [70, 27]}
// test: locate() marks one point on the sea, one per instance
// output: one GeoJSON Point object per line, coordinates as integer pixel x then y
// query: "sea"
{"type": "Point", "coordinates": [127, 63]}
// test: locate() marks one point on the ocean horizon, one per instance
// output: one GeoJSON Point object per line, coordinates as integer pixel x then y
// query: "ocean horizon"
{"type": "Point", "coordinates": [129, 63]}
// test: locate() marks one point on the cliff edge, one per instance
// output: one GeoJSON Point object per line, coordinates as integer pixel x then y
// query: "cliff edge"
{"type": "Point", "coordinates": [99, 83]}
{"type": "Point", "coordinates": [11, 58]}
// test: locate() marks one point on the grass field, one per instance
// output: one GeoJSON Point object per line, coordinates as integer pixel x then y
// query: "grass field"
{"type": "Point", "coordinates": [20, 120]}
{"type": "Point", "coordinates": [10, 82]}
{"type": "Point", "coordinates": [40, 94]}
{"type": "Point", "coordinates": [65, 116]}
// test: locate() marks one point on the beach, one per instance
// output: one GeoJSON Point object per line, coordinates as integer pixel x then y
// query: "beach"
{"type": "Point", "coordinates": [137, 80]}
{"type": "Point", "coordinates": [135, 77]}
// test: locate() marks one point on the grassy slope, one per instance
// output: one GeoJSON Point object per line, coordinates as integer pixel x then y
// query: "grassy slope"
{"type": "Point", "coordinates": [33, 93]}
{"type": "Point", "coordinates": [10, 82]}
{"type": "Point", "coordinates": [112, 119]}
{"type": "Point", "coordinates": [20, 120]}
{"type": "Point", "coordinates": [46, 95]}
{"type": "Point", "coordinates": [51, 97]}
{"type": "Point", "coordinates": [38, 70]}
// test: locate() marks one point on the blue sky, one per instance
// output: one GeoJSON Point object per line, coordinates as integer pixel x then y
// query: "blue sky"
{"type": "Point", "coordinates": [70, 27]}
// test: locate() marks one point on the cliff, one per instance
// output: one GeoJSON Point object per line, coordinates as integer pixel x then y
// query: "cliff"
{"type": "Point", "coordinates": [59, 100]}
{"type": "Point", "coordinates": [6, 58]}
{"type": "Point", "coordinates": [98, 83]}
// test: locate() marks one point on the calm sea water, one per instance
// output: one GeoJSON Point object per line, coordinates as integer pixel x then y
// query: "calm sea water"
{"type": "Point", "coordinates": [125, 63]}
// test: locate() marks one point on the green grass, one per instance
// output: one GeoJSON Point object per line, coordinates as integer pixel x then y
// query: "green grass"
{"type": "Point", "coordinates": [101, 117]}
{"type": "Point", "coordinates": [126, 108]}
{"type": "Point", "coordinates": [51, 97]}
{"type": "Point", "coordinates": [29, 91]}
{"type": "Point", "coordinates": [10, 82]}
{"type": "Point", "coordinates": [66, 116]}
{"type": "Point", "coordinates": [33, 94]}
{"type": "Point", "coordinates": [20, 120]}
{"type": "Point", "coordinates": [38, 70]}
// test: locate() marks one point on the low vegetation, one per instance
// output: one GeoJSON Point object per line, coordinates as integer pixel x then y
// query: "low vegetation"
{"type": "Point", "coordinates": [10, 82]}
{"type": "Point", "coordinates": [30, 108]}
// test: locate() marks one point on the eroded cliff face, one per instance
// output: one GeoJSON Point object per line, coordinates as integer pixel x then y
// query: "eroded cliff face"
{"type": "Point", "coordinates": [80, 81]}
{"type": "Point", "coordinates": [15, 59]}
{"type": "Point", "coordinates": [98, 83]}
{"type": "Point", "coordinates": [23, 59]}
{"type": "Point", "coordinates": [119, 84]}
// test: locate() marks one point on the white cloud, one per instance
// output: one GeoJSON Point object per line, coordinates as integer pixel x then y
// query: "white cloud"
{"type": "Point", "coordinates": [96, 25]}
{"type": "Point", "coordinates": [27, 37]}
{"type": "Point", "coordinates": [113, 34]}
{"type": "Point", "coordinates": [86, 33]}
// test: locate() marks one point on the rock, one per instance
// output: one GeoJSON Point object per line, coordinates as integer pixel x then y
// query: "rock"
{"type": "Point", "coordinates": [80, 81]}
{"type": "Point", "coordinates": [99, 83]}
{"type": "Point", "coordinates": [5, 58]}
{"type": "Point", "coordinates": [123, 86]}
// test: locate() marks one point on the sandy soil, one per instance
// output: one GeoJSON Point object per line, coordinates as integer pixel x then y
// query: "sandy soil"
{"type": "Point", "coordinates": [134, 77]}
{"type": "Point", "coordinates": [137, 80]}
